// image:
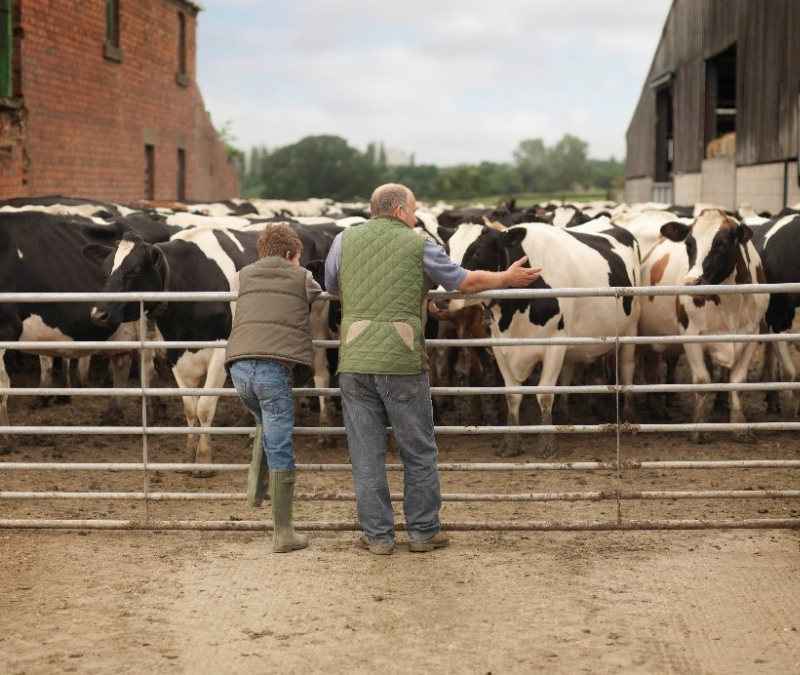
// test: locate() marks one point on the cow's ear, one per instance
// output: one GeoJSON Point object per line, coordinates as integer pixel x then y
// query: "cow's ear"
{"type": "Point", "coordinates": [97, 253]}
{"type": "Point", "coordinates": [155, 255]}
{"type": "Point", "coordinates": [445, 232]}
{"type": "Point", "coordinates": [743, 233]}
{"type": "Point", "coordinates": [317, 269]}
{"type": "Point", "coordinates": [675, 231]}
{"type": "Point", "coordinates": [512, 237]}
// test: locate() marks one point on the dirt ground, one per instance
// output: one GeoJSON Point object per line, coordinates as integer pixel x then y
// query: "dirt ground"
{"type": "Point", "coordinates": [88, 601]}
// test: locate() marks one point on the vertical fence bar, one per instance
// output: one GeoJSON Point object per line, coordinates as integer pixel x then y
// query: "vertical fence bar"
{"type": "Point", "coordinates": [617, 305]}
{"type": "Point", "coordinates": [143, 383]}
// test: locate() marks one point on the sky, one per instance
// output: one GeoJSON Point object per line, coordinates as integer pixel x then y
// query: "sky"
{"type": "Point", "coordinates": [449, 81]}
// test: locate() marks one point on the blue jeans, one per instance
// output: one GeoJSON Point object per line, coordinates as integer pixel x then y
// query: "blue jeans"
{"type": "Point", "coordinates": [370, 403]}
{"type": "Point", "coordinates": [265, 387]}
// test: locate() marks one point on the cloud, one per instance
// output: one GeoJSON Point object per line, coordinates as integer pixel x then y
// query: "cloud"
{"type": "Point", "coordinates": [450, 81]}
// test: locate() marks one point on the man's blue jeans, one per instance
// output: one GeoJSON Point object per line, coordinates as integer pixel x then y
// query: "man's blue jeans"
{"type": "Point", "coordinates": [265, 387]}
{"type": "Point", "coordinates": [370, 403]}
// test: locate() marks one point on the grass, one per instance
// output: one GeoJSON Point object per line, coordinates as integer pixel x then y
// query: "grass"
{"type": "Point", "coordinates": [530, 199]}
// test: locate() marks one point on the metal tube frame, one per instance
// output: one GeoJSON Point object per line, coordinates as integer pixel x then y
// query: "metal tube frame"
{"type": "Point", "coordinates": [620, 428]}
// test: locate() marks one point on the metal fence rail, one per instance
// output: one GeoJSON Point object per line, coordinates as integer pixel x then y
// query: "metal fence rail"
{"type": "Point", "coordinates": [619, 428]}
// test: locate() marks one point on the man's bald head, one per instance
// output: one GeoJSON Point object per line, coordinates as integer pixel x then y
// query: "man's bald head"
{"type": "Point", "coordinates": [387, 198]}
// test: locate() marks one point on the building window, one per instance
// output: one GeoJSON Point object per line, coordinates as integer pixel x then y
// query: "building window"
{"type": "Point", "coordinates": [149, 172]}
{"type": "Point", "coordinates": [181, 77]}
{"type": "Point", "coordinates": [111, 48]}
{"type": "Point", "coordinates": [6, 50]}
{"type": "Point", "coordinates": [181, 174]}
{"type": "Point", "coordinates": [720, 122]}
{"type": "Point", "coordinates": [665, 135]}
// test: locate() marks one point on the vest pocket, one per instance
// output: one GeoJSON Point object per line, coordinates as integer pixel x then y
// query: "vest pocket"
{"type": "Point", "coordinates": [356, 328]}
{"type": "Point", "coordinates": [406, 333]}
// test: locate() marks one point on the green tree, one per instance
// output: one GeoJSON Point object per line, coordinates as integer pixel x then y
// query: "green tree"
{"type": "Point", "coordinates": [532, 159]}
{"type": "Point", "coordinates": [460, 182]}
{"type": "Point", "coordinates": [606, 173]}
{"type": "Point", "coordinates": [419, 178]}
{"type": "Point", "coordinates": [503, 179]}
{"type": "Point", "coordinates": [568, 164]}
{"type": "Point", "coordinates": [318, 166]}
{"type": "Point", "coordinates": [235, 156]}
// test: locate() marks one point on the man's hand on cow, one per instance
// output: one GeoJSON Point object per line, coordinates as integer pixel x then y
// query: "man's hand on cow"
{"type": "Point", "coordinates": [520, 276]}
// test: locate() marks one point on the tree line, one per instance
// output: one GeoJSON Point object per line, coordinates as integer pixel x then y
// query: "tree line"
{"type": "Point", "coordinates": [327, 166]}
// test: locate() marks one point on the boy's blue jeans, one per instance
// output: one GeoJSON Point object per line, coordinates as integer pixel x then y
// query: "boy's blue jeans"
{"type": "Point", "coordinates": [265, 387]}
{"type": "Point", "coordinates": [370, 403]}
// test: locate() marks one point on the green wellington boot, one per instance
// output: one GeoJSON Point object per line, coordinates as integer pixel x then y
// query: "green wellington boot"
{"type": "Point", "coordinates": [257, 477]}
{"type": "Point", "coordinates": [281, 489]}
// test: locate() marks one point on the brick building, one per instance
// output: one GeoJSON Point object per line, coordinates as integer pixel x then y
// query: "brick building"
{"type": "Point", "coordinates": [98, 99]}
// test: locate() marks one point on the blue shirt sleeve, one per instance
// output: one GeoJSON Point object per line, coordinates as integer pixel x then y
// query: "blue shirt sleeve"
{"type": "Point", "coordinates": [332, 264]}
{"type": "Point", "coordinates": [441, 268]}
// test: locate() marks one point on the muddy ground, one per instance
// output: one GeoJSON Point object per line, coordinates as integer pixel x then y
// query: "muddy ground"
{"type": "Point", "coordinates": [87, 601]}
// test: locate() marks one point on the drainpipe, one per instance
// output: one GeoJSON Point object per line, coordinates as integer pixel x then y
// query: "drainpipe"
{"type": "Point", "coordinates": [785, 184]}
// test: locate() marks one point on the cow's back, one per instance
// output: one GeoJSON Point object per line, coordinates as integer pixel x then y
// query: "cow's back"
{"type": "Point", "coordinates": [41, 253]}
{"type": "Point", "coordinates": [569, 261]}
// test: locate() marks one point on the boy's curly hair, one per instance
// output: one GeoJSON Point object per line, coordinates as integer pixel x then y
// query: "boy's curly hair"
{"type": "Point", "coordinates": [278, 239]}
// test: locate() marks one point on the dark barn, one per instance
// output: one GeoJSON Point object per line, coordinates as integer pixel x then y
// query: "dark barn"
{"type": "Point", "coordinates": [98, 99]}
{"type": "Point", "coordinates": [717, 120]}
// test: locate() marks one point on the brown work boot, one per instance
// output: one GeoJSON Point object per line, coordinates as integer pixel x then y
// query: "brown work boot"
{"type": "Point", "coordinates": [375, 549]}
{"type": "Point", "coordinates": [438, 540]}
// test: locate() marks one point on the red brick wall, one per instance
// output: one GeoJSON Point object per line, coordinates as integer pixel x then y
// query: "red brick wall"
{"type": "Point", "coordinates": [87, 118]}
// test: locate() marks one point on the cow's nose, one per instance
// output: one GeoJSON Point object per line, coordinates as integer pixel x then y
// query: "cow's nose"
{"type": "Point", "coordinates": [99, 317]}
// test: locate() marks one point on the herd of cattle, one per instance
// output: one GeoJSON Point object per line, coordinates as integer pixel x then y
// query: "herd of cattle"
{"type": "Point", "coordinates": [59, 245]}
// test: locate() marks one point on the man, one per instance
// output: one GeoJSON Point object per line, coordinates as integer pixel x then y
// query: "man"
{"type": "Point", "coordinates": [383, 270]}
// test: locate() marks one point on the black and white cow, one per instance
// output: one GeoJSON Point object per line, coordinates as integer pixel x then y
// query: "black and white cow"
{"type": "Point", "coordinates": [778, 243]}
{"type": "Point", "coordinates": [317, 234]}
{"type": "Point", "coordinates": [41, 253]}
{"type": "Point", "coordinates": [195, 260]}
{"type": "Point", "coordinates": [714, 250]}
{"type": "Point", "coordinates": [605, 257]}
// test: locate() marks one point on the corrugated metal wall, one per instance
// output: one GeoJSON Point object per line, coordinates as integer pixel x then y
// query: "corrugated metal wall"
{"type": "Point", "coordinates": [767, 36]}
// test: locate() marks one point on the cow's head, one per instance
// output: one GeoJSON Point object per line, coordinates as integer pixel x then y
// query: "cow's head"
{"type": "Point", "coordinates": [317, 269]}
{"type": "Point", "coordinates": [132, 266]}
{"type": "Point", "coordinates": [480, 247]}
{"type": "Point", "coordinates": [712, 245]}
{"type": "Point", "coordinates": [476, 247]}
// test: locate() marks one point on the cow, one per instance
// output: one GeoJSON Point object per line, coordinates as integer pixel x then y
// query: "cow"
{"type": "Point", "coordinates": [46, 364]}
{"type": "Point", "coordinates": [608, 257]}
{"type": "Point", "coordinates": [453, 217]}
{"type": "Point", "coordinates": [41, 253]}
{"type": "Point", "coordinates": [646, 225]}
{"type": "Point", "coordinates": [466, 323]}
{"type": "Point", "coordinates": [195, 260]}
{"type": "Point", "coordinates": [714, 250]}
{"type": "Point", "coordinates": [317, 233]}
{"type": "Point", "coordinates": [778, 243]}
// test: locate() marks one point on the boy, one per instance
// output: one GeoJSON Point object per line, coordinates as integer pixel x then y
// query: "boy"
{"type": "Point", "coordinates": [269, 343]}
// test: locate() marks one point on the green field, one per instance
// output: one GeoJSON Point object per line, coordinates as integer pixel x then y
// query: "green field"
{"type": "Point", "coordinates": [530, 199]}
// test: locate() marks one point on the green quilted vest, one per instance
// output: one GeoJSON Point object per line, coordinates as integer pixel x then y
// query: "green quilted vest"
{"type": "Point", "coordinates": [381, 281]}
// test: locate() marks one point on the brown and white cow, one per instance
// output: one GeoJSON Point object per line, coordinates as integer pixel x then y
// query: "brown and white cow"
{"type": "Point", "coordinates": [714, 250]}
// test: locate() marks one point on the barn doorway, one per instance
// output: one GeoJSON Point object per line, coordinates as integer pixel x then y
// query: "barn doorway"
{"type": "Point", "coordinates": [720, 118]}
{"type": "Point", "coordinates": [665, 135]}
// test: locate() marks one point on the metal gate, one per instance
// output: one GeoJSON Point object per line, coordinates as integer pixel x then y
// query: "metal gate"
{"type": "Point", "coordinates": [622, 431]}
